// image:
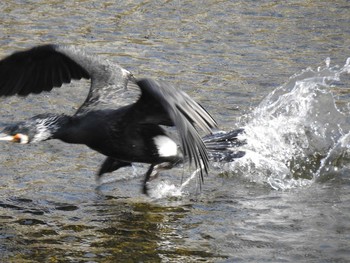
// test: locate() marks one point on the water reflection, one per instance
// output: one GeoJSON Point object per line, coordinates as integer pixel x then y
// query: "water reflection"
{"type": "Point", "coordinates": [114, 229]}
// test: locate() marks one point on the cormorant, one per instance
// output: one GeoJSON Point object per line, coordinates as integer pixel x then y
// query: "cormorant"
{"type": "Point", "coordinates": [125, 133]}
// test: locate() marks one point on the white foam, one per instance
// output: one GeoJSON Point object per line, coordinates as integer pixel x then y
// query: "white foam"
{"type": "Point", "coordinates": [292, 128]}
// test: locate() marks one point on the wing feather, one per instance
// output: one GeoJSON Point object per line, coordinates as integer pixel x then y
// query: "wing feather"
{"type": "Point", "coordinates": [36, 70]}
{"type": "Point", "coordinates": [42, 68]}
{"type": "Point", "coordinates": [162, 102]}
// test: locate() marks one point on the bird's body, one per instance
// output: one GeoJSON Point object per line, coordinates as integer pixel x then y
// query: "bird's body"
{"type": "Point", "coordinates": [118, 138]}
{"type": "Point", "coordinates": [124, 128]}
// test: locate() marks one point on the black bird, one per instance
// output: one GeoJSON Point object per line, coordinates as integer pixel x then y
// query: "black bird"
{"type": "Point", "coordinates": [124, 132]}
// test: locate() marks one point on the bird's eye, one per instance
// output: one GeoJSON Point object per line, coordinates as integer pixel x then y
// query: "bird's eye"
{"type": "Point", "coordinates": [20, 138]}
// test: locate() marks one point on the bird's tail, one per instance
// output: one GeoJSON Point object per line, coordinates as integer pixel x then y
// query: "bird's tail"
{"type": "Point", "coordinates": [223, 146]}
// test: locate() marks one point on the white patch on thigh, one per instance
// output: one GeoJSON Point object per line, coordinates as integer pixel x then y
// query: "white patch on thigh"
{"type": "Point", "coordinates": [166, 146]}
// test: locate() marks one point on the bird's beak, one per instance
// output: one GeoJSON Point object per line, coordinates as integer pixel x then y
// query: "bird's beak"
{"type": "Point", "coordinates": [20, 138]}
{"type": "Point", "coordinates": [5, 137]}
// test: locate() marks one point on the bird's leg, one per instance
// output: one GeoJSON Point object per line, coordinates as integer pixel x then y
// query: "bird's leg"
{"type": "Point", "coordinates": [109, 165]}
{"type": "Point", "coordinates": [153, 172]}
{"type": "Point", "coordinates": [160, 167]}
{"type": "Point", "coordinates": [147, 177]}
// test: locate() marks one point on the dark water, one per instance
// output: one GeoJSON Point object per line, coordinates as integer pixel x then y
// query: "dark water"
{"type": "Point", "coordinates": [287, 201]}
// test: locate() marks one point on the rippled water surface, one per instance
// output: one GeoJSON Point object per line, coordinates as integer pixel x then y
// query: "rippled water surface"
{"type": "Point", "coordinates": [267, 66]}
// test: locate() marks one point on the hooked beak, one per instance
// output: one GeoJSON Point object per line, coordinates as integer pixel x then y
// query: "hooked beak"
{"type": "Point", "coordinates": [5, 137]}
{"type": "Point", "coordinates": [20, 138]}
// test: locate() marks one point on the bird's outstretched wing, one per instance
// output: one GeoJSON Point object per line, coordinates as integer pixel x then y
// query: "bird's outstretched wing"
{"type": "Point", "coordinates": [44, 67]}
{"type": "Point", "coordinates": [163, 104]}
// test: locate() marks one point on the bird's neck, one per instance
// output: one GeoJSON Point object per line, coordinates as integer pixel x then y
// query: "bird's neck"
{"type": "Point", "coordinates": [50, 126]}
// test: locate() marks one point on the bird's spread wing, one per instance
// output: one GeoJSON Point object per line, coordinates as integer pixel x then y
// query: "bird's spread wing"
{"type": "Point", "coordinates": [166, 105]}
{"type": "Point", "coordinates": [44, 67]}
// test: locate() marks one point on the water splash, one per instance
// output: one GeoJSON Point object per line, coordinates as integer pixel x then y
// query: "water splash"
{"type": "Point", "coordinates": [167, 189]}
{"type": "Point", "coordinates": [297, 134]}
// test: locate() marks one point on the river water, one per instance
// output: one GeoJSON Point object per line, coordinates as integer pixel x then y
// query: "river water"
{"type": "Point", "coordinates": [279, 70]}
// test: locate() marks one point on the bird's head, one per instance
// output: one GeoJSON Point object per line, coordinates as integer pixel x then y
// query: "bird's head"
{"type": "Point", "coordinates": [38, 128]}
{"type": "Point", "coordinates": [19, 132]}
